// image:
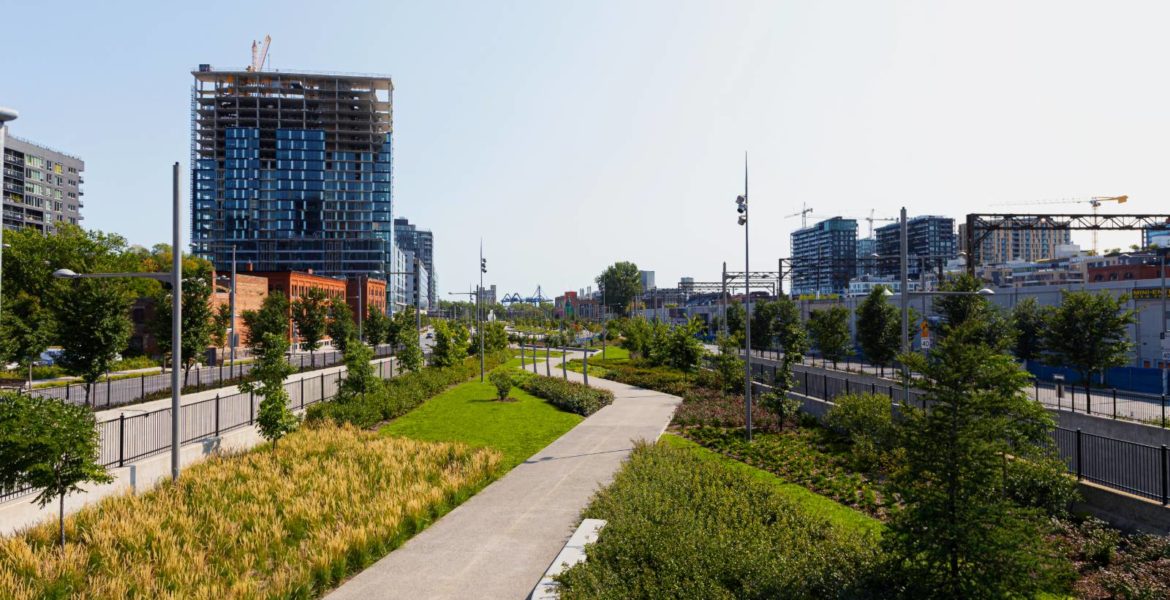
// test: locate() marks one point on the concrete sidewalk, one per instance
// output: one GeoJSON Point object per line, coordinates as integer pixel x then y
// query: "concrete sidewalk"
{"type": "Point", "coordinates": [499, 543]}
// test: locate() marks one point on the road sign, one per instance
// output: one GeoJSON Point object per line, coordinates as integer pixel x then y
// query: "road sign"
{"type": "Point", "coordinates": [925, 329]}
{"type": "Point", "coordinates": [926, 343]}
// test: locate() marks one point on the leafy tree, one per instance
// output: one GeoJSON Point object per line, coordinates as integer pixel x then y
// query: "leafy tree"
{"type": "Point", "coordinates": [792, 337]}
{"type": "Point", "coordinates": [341, 327]}
{"type": "Point", "coordinates": [879, 328]}
{"type": "Point", "coordinates": [196, 319]}
{"type": "Point", "coordinates": [359, 373]}
{"type": "Point", "coordinates": [622, 283]}
{"type": "Point", "coordinates": [377, 326]}
{"type": "Point", "coordinates": [410, 354]}
{"type": "Point", "coordinates": [959, 535]}
{"type": "Point", "coordinates": [829, 329]}
{"type": "Point", "coordinates": [221, 323]}
{"type": "Point", "coordinates": [1088, 332]}
{"type": "Point", "coordinates": [495, 338]}
{"type": "Point", "coordinates": [310, 314]}
{"type": "Point", "coordinates": [736, 317]}
{"type": "Point", "coordinates": [27, 330]}
{"type": "Point", "coordinates": [274, 418]}
{"type": "Point", "coordinates": [993, 328]}
{"type": "Point", "coordinates": [272, 318]}
{"type": "Point", "coordinates": [638, 334]}
{"type": "Point", "coordinates": [98, 328]}
{"type": "Point", "coordinates": [450, 344]}
{"type": "Point", "coordinates": [48, 445]}
{"type": "Point", "coordinates": [728, 364]}
{"type": "Point", "coordinates": [1028, 322]}
{"type": "Point", "coordinates": [765, 315]}
{"type": "Point", "coordinates": [684, 351]}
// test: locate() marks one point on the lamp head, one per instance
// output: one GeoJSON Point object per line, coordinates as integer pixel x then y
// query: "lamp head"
{"type": "Point", "coordinates": [65, 274]}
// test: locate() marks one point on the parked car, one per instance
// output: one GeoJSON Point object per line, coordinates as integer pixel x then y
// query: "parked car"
{"type": "Point", "coordinates": [49, 357]}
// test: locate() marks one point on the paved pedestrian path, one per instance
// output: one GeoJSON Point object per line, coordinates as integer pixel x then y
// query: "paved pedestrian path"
{"type": "Point", "coordinates": [499, 543]}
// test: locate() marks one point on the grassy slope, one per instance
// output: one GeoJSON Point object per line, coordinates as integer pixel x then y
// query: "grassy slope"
{"type": "Point", "coordinates": [514, 363]}
{"type": "Point", "coordinates": [469, 413]}
{"type": "Point", "coordinates": [814, 503]}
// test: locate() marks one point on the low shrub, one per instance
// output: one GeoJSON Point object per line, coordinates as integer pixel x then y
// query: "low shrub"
{"type": "Point", "coordinates": [568, 395]}
{"type": "Point", "coordinates": [401, 394]}
{"type": "Point", "coordinates": [286, 524]}
{"type": "Point", "coordinates": [708, 407]}
{"type": "Point", "coordinates": [503, 382]}
{"type": "Point", "coordinates": [1116, 565]}
{"type": "Point", "coordinates": [867, 421]}
{"type": "Point", "coordinates": [1042, 483]}
{"type": "Point", "coordinates": [682, 527]}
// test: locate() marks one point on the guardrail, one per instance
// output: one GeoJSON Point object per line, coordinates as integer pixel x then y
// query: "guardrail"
{"type": "Point", "coordinates": [127, 438]}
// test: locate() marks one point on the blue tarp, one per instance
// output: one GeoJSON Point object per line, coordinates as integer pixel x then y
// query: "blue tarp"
{"type": "Point", "coordinates": [1134, 379]}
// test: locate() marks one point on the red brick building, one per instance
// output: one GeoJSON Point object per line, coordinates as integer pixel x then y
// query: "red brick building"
{"type": "Point", "coordinates": [371, 292]}
{"type": "Point", "coordinates": [294, 284]}
{"type": "Point", "coordinates": [250, 294]}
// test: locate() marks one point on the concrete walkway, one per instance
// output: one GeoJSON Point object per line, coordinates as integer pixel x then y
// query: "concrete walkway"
{"type": "Point", "coordinates": [499, 543]}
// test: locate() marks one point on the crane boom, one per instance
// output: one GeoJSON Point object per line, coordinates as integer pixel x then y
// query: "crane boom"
{"type": "Point", "coordinates": [259, 53]}
{"type": "Point", "coordinates": [1095, 202]}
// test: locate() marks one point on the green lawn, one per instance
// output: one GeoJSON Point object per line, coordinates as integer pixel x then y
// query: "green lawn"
{"type": "Point", "coordinates": [514, 363]}
{"type": "Point", "coordinates": [470, 413]}
{"type": "Point", "coordinates": [812, 502]}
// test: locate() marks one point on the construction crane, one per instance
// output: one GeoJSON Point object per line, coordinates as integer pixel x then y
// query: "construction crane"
{"type": "Point", "coordinates": [872, 218]}
{"type": "Point", "coordinates": [259, 53]}
{"type": "Point", "coordinates": [1095, 202]}
{"type": "Point", "coordinates": [803, 214]}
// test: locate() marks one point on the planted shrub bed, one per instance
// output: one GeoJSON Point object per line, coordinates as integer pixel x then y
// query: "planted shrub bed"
{"type": "Point", "coordinates": [401, 394]}
{"type": "Point", "coordinates": [568, 395]}
{"type": "Point", "coordinates": [289, 523]}
{"type": "Point", "coordinates": [682, 527]}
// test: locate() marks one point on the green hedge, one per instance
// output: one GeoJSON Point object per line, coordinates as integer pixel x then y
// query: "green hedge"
{"type": "Point", "coordinates": [568, 395]}
{"type": "Point", "coordinates": [401, 394]}
{"type": "Point", "coordinates": [682, 527]}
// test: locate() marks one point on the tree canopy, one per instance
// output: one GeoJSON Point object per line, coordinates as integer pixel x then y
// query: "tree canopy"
{"type": "Point", "coordinates": [1088, 332]}
{"type": "Point", "coordinates": [622, 283]}
{"type": "Point", "coordinates": [879, 328]}
{"type": "Point", "coordinates": [829, 329]}
{"type": "Point", "coordinates": [310, 315]}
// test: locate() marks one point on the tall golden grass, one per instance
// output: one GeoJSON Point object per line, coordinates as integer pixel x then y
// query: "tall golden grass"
{"type": "Point", "coordinates": [263, 524]}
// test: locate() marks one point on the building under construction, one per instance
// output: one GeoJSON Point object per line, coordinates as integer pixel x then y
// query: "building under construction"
{"type": "Point", "coordinates": [293, 169]}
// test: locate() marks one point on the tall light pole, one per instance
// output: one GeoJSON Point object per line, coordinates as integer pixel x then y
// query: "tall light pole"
{"type": "Point", "coordinates": [6, 115]}
{"type": "Point", "coordinates": [1165, 348]}
{"type": "Point", "coordinates": [175, 278]}
{"type": "Point", "coordinates": [905, 298]}
{"type": "Point", "coordinates": [232, 302]}
{"type": "Point", "coordinates": [742, 207]}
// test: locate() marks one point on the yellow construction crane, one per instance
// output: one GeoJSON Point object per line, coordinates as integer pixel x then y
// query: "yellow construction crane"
{"type": "Point", "coordinates": [872, 218]}
{"type": "Point", "coordinates": [1095, 202]}
{"type": "Point", "coordinates": [259, 53]}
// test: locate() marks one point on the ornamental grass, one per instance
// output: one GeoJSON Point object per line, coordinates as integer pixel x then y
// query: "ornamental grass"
{"type": "Point", "coordinates": [289, 523]}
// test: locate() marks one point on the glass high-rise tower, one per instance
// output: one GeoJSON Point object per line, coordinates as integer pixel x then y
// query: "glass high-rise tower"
{"type": "Point", "coordinates": [294, 169]}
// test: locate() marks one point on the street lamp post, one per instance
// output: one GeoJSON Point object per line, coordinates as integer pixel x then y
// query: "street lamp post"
{"type": "Point", "coordinates": [742, 208]}
{"type": "Point", "coordinates": [479, 309]}
{"type": "Point", "coordinates": [175, 278]}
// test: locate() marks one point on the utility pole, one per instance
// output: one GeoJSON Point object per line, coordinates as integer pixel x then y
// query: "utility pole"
{"type": "Point", "coordinates": [232, 303]}
{"type": "Point", "coordinates": [479, 308]}
{"type": "Point", "coordinates": [176, 320]}
{"type": "Point", "coordinates": [1165, 348]}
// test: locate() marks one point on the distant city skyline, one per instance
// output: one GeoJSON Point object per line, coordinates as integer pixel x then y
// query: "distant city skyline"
{"type": "Point", "coordinates": [573, 135]}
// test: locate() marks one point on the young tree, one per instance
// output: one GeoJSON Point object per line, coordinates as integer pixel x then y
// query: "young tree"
{"type": "Point", "coordinates": [621, 283]}
{"type": "Point", "coordinates": [359, 373]}
{"type": "Point", "coordinates": [450, 344]}
{"type": "Point", "coordinates": [638, 334]}
{"type": "Point", "coordinates": [684, 351]}
{"type": "Point", "coordinates": [736, 318]}
{"type": "Point", "coordinates": [196, 319]}
{"type": "Point", "coordinates": [792, 337]}
{"type": "Point", "coordinates": [48, 445]}
{"type": "Point", "coordinates": [972, 307]}
{"type": "Point", "coordinates": [829, 329]}
{"type": "Point", "coordinates": [377, 327]}
{"type": "Point", "coordinates": [310, 314]}
{"type": "Point", "coordinates": [341, 328]}
{"type": "Point", "coordinates": [495, 338]}
{"type": "Point", "coordinates": [272, 318]}
{"type": "Point", "coordinates": [1028, 322]}
{"type": "Point", "coordinates": [728, 365]}
{"type": "Point", "coordinates": [503, 383]}
{"type": "Point", "coordinates": [765, 315]}
{"type": "Point", "coordinates": [97, 328]}
{"type": "Point", "coordinates": [410, 355]}
{"type": "Point", "coordinates": [1088, 332]}
{"type": "Point", "coordinates": [221, 322]}
{"type": "Point", "coordinates": [274, 418]}
{"type": "Point", "coordinates": [879, 328]}
{"type": "Point", "coordinates": [27, 330]}
{"type": "Point", "coordinates": [959, 535]}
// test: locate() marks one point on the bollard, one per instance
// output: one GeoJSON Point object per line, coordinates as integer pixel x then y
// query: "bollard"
{"type": "Point", "coordinates": [217, 415]}
{"type": "Point", "coordinates": [122, 439]}
{"type": "Point", "coordinates": [251, 408]}
{"type": "Point", "coordinates": [142, 386]}
{"type": "Point", "coordinates": [585, 366]}
{"type": "Point", "coordinates": [547, 362]}
{"type": "Point", "coordinates": [1080, 472]}
{"type": "Point", "coordinates": [1114, 403]}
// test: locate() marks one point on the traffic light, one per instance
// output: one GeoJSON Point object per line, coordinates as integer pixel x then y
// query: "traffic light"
{"type": "Point", "coordinates": [483, 265]}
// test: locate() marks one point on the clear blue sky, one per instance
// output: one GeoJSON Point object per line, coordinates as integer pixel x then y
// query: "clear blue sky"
{"type": "Point", "coordinates": [572, 134]}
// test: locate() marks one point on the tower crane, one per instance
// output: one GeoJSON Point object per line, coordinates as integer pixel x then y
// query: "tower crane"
{"type": "Point", "coordinates": [872, 218]}
{"type": "Point", "coordinates": [1095, 202]}
{"type": "Point", "coordinates": [803, 214]}
{"type": "Point", "coordinates": [259, 53]}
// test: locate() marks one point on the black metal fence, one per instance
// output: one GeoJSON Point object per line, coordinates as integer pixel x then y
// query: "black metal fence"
{"type": "Point", "coordinates": [1131, 467]}
{"type": "Point", "coordinates": [119, 392]}
{"type": "Point", "coordinates": [130, 437]}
